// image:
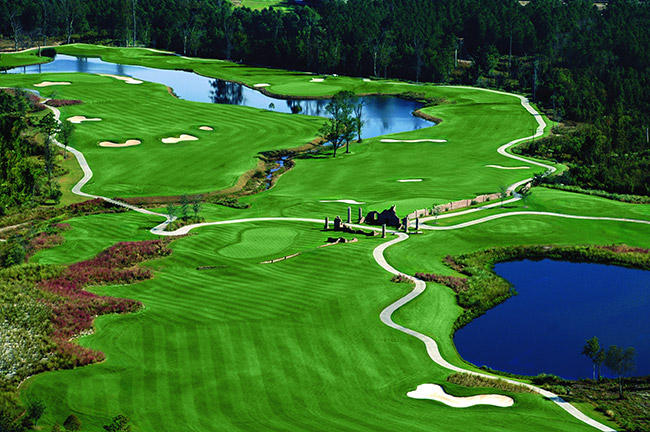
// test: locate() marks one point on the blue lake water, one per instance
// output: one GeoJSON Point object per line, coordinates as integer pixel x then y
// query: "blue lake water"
{"type": "Point", "coordinates": [382, 115]}
{"type": "Point", "coordinates": [559, 306]}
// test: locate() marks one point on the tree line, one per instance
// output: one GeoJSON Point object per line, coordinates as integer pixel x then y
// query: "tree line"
{"type": "Point", "coordinates": [578, 62]}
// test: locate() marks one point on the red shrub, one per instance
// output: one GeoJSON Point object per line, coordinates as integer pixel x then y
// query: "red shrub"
{"type": "Point", "coordinates": [63, 102]}
{"type": "Point", "coordinates": [75, 308]}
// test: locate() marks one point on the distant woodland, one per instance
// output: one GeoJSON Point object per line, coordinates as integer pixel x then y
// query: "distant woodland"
{"type": "Point", "coordinates": [586, 66]}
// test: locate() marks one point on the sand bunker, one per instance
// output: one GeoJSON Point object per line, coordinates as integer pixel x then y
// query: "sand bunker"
{"type": "Point", "coordinates": [388, 140]}
{"type": "Point", "coordinates": [79, 119]}
{"type": "Point", "coordinates": [127, 80]}
{"type": "Point", "coordinates": [435, 392]}
{"type": "Point", "coordinates": [206, 128]}
{"type": "Point", "coordinates": [409, 180]}
{"type": "Point", "coordinates": [345, 201]}
{"type": "Point", "coordinates": [51, 83]}
{"type": "Point", "coordinates": [183, 137]}
{"type": "Point", "coordinates": [262, 85]}
{"type": "Point", "coordinates": [502, 167]}
{"type": "Point", "coordinates": [317, 80]}
{"type": "Point", "coordinates": [128, 143]}
{"type": "Point", "coordinates": [367, 80]}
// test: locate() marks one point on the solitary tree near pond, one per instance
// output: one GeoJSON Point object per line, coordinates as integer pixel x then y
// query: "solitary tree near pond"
{"type": "Point", "coordinates": [340, 126]}
{"type": "Point", "coordinates": [621, 362]}
{"type": "Point", "coordinates": [357, 110]}
{"type": "Point", "coordinates": [592, 350]}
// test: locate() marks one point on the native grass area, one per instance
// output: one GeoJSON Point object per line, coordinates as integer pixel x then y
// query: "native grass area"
{"type": "Point", "coordinates": [225, 342]}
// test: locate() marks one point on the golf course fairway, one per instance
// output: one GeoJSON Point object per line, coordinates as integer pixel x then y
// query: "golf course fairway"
{"type": "Point", "coordinates": [227, 342]}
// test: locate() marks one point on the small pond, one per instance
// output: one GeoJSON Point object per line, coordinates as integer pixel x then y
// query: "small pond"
{"type": "Point", "coordinates": [559, 306]}
{"type": "Point", "coordinates": [382, 115]}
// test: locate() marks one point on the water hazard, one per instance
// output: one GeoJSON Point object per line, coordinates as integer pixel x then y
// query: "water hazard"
{"type": "Point", "coordinates": [382, 115]}
{"type": "Point", "coordinates": [559, 306]}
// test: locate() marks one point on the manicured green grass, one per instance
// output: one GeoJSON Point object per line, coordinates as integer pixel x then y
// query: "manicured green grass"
{"type": "Point", "coordinates": [148, 113]}
{"type": "Point", "coordinates": [10, 60]}
{"type": "Point", "coordinates": [280, 346]}
{"type": "Point", "coordinates": [296, 345]}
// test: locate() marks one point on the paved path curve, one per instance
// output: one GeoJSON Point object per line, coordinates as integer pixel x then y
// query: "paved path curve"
{"type": "Point", "coordinates": [432, 347]}
{"type": "Point", "coordinates": [378, 254]}
{"type": "Point", "coordinates": [533, 213]}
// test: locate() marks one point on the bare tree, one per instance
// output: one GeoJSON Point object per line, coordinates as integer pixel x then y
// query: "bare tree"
{"type": "Point", "coordinates": [70, 11]}
{"type": "Point", "coordinates": [134, 4]}
{"type": "Point", "coordinates": [16, 26]}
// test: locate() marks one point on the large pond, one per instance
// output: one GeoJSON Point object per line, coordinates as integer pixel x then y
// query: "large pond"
{"type": "Point", "coordinates": [559, 306]}
{"type": "Point", "coordinates": [382, 115]}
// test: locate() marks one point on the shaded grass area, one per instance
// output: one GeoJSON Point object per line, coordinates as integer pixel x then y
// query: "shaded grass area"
{"type": "Point", "coordinates": [279, 346]}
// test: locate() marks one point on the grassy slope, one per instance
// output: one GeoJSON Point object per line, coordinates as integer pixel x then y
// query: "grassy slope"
{"type": "Point", "coordinates": [265, 347]}
{"type": "Point", "coordinates": [353, 382]}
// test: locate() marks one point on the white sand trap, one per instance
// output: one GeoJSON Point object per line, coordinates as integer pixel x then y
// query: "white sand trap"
{"type": "Point", "coordinates": [367, 80]}
{"type": "Point", "coordinates": [317, 80]}
{"type": "Point", "coordinates": [183, 137]}
{"type": "Point", "coordinates": [128, 143]}
{"type": "Point", "coordinates": [206, 128]}
{"type": "Point", "coordinates": [127, 80]}
{"type": "Point", "coordinates": [79, 119]}
{"type": "Point", "coordinates": [502, 167]}
{"type": "Point", "coordinates": [388, 140]}
{"type": "Point", "coordinates": [435, 392]}
{"type": "Point", "coordinates": [345, 201]}
{"type": "Point", "coordinates": [262, 85]}
{"type": "Point", "coordinates": [51, 83]}
{"type": "Point", "coordinates": [409, 180]}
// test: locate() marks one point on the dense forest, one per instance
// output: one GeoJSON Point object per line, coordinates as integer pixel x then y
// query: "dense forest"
{"type": "Point", "coordinates": [579, 62]}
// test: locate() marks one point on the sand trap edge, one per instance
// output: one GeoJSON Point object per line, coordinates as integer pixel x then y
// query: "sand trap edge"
{"type": "Point", "coordinates": [437, 393]}
{"type": "Point", "coordinates": [128, 143]}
